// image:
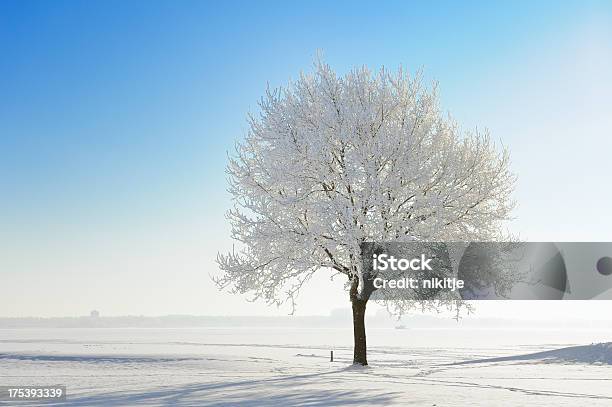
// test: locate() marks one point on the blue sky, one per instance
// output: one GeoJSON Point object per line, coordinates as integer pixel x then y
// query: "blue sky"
{"type": "Point", "coordinates": [116, 117]}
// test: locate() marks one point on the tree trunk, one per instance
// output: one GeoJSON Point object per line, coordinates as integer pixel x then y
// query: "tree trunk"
{"type": "Point", "coordinates": [359, 301]}
{"type": "Point", "coordinates": [359, 335]}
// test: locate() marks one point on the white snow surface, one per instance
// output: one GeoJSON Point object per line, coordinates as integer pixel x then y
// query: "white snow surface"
{"type": "Point", "coordinates": [258, 366]}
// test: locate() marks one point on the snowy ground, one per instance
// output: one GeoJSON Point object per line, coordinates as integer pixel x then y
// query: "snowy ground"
{"type": "Point", "coordinates": [194, 367]}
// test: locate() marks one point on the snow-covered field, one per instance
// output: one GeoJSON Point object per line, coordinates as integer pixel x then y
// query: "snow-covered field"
{"type": "Point", "coordinates": [256, 366]}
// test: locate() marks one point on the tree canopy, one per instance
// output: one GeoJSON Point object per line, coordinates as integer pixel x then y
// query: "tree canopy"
{"type": "Point", "coordinates": [334, 161]}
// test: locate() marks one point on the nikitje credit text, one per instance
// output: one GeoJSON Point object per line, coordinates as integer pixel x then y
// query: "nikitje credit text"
{"type": "Point", "coordinates": [383, 262]}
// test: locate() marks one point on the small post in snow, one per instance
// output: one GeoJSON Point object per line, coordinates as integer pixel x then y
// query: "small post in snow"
{"type": "Point", "coordinates": [331, 355]}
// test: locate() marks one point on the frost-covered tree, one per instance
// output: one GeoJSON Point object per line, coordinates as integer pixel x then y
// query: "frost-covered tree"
{"type": "Point", "coordinates": [334, 161]}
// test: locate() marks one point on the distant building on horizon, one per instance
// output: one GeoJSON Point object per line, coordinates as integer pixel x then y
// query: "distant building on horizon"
{"type": "Point", "coordinates": [94, 314]}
